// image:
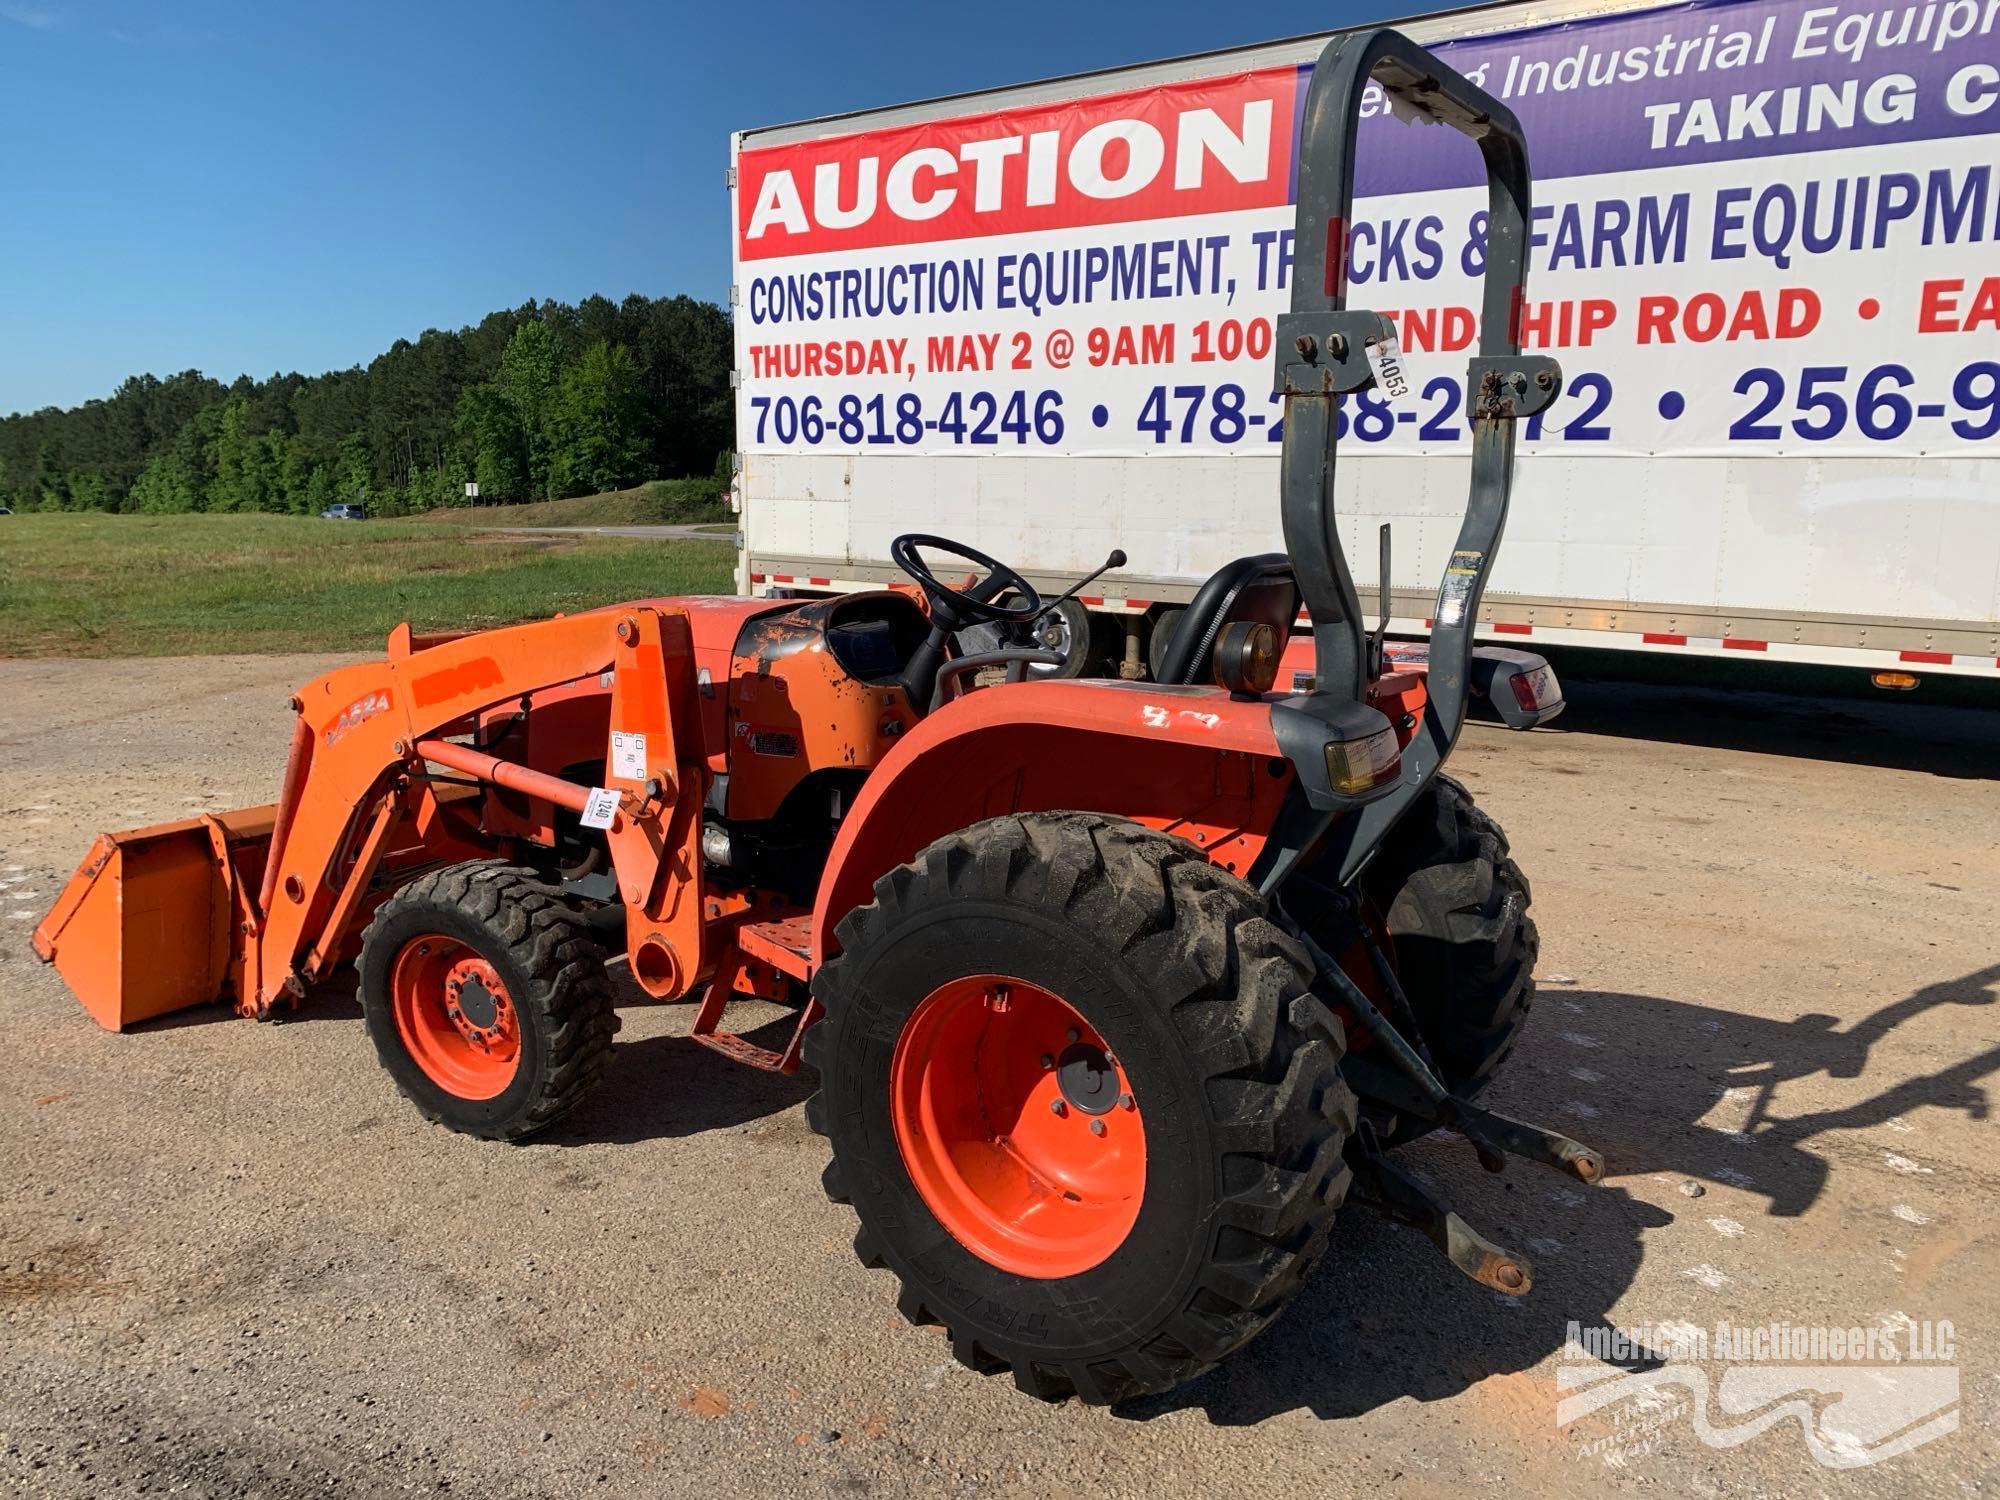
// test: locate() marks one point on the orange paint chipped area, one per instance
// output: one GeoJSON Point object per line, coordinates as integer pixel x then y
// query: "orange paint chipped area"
{"type": "Point", "coordinates": [705, 1402]}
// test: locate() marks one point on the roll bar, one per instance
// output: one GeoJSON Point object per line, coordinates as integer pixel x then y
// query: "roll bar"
{"type": "Point", "coordinates": [1322, 354]}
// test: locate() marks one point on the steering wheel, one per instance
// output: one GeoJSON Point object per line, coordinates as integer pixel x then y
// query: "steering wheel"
{"type": "Point", "coordinates": [967, 604]}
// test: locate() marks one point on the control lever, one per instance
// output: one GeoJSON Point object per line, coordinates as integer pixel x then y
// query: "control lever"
{"type": "Point", "coordinates": [1115, 560]}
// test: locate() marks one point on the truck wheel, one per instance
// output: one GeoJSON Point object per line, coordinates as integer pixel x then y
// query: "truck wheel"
{"type": "Point", "coordinates": [1067, 628]}
{"type": "Point", "coordinates": [1082, 1101]}
{"type": "Point", "coordinates": [1455, 907]}
{"type": "Point", "coordinates": [486, 998]}
{"type": "Point", "coordinates": [1164, 626]}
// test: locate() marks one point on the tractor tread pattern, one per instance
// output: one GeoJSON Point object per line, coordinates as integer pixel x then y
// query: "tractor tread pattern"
{"type": "Point", "coordinates": [1456, 907]}
{"type": "Point", "coordinates": [569, 999]}
{"type": "Point", "coordinates": [1237, 989]}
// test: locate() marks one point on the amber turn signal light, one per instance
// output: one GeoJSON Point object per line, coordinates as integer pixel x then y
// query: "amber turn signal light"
{"type": "Point", "coordinates": [1357, 766]}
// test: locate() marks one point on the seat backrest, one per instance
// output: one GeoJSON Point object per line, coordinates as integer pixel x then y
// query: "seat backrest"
{"type": "Point", "coordinates": [1261, 589]}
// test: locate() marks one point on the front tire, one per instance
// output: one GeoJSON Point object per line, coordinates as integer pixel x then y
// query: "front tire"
{"type": "Point", "coordinates": [1083, 961]}
{"type": "Point", "coordinates": [486, 999]}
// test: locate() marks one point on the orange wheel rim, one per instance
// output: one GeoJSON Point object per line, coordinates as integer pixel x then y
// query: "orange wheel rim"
{"type": "Point", "coordinates": [455, 1017]}
{"type": "Point", "coordinates": [1018, 1127]}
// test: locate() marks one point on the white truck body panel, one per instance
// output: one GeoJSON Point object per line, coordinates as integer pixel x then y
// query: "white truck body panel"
{"type": "Point", "coordinates": [1809, 470]}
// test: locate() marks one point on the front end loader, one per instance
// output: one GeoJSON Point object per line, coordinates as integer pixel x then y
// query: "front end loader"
{"type": "Point", "coordinates": [1114, 990]}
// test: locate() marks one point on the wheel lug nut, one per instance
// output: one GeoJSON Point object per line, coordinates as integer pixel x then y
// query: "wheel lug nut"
{"type": "Point", "coordinates": [1073, 1034]}
{"type": "Point", "coordinates": [1058, 1108]}
{"type": "Point", "coordinates": [1125, 1102]}
{"type": "Point", "coordinates": [1047, 1062]}
{"type": "Point", "coordinates": [1097, 1127]}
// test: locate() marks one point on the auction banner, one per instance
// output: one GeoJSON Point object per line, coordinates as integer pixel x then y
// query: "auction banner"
{"type": "Point", "coordinates": [1758, 228]}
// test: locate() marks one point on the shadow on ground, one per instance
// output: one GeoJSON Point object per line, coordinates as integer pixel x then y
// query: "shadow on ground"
{"type": "Point", "coordinates": [1658, 1085]}
{"type": "Point", "coordinates": [1938, 739]}
{"type": "Point", "coordinates": [1385, 1318]}
{"type": "Point", "coordinates": [670, 1086]}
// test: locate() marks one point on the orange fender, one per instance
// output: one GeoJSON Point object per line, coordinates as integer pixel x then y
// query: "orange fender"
{"type": "Point", "coordinates": [1190, 761]}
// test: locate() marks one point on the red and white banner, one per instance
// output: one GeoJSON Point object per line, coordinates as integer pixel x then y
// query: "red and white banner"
{"type": "Point", "coordinates": [1159, 153]}
{"type": "Point", "coordinates": [1760, 228]}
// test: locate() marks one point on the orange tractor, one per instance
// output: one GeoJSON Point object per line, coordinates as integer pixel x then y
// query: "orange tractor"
{"type": "Point", "coordinates": [1113, 989]}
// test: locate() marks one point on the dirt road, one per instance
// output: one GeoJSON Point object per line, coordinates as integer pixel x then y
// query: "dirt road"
{"type": "Point", "coordinates": [234, 1262]}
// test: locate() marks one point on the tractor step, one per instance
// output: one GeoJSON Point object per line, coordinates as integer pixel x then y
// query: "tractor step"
{"type": "Point", "coordinates": [783, 946]}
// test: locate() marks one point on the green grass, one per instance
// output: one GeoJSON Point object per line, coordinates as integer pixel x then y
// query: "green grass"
{"type": "Point", "coordinates": [83, 585]}
{"type": "Point", "coordinates": [664, 502]}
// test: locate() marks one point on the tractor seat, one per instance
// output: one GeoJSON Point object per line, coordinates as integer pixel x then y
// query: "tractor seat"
{"type": "Point", "coordinates": [1261, 588]}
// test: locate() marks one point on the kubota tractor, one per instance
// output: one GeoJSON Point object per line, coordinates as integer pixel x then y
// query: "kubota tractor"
{"type": "Point", "coordinates": [1112, 988]}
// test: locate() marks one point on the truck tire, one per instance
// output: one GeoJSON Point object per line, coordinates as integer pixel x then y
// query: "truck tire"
{"type": "Point", "coordinates": [1455, 908]}
{"type": "Point", "coordinates": [486, 998]}
{"type": "Point", "coordinates": [1164, 625]}
{"type": "Point", "coordinates": [1082, 1101]}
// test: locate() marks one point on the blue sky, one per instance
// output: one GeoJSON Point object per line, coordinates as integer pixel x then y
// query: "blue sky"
{"type": "Point", "coordinates": [259, 186]}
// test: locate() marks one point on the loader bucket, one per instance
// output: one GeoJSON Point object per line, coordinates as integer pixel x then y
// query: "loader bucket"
{"type": "Point", "coordinates": [151, 921]}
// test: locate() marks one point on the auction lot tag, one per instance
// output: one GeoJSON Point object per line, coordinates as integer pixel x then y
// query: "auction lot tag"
{"type": "Point", "coordinates": [628, 756]}
{"type": "Point", "coordinates": [1386, 360]}
{"type": "Point", "coordinates": [600, 809]}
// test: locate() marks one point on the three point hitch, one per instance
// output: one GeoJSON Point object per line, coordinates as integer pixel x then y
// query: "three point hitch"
{"type": "Point", "coordinates": [1408, 1084]}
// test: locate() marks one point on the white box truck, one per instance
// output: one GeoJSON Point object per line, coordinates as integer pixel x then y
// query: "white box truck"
{"type": "Point", "coordinates": [1039, 320]}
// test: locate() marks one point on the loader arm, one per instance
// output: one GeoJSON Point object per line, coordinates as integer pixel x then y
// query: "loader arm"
{"type": "Point", "coordinates": [357, 786]}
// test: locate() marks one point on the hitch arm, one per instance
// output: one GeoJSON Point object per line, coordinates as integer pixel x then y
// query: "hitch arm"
{"type": "Point", "coordinates": [1392, 1192]}
{"type": "Point", "coordinates": [1419, 1090]}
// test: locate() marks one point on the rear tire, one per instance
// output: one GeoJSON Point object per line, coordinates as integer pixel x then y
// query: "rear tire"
{"type": "Point", "coordinates": [486, 999]}
{"type": "Point", "coordinates": [1201, 1004]}
{"type": "Point", "coordinates": [1456, 910]}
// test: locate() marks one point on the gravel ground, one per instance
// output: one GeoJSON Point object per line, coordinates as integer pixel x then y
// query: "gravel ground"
{"type": "Point", "coordinates": [234, 1262]}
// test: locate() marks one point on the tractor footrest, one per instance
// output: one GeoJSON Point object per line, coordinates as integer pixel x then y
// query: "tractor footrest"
{"type": "Point", "coordinates": [741, 1049]}
{"type": "Point", "coordinates": [785, 946]}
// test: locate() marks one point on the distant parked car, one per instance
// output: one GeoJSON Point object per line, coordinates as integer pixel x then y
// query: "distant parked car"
{"type": "Point", "coordinates": [6, 510]}
{"type": "Point", "coordinates": [344, 513]}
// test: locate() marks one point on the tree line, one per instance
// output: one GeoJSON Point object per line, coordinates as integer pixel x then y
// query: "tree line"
{"type": "Point", "coordinates": [543, 401]}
